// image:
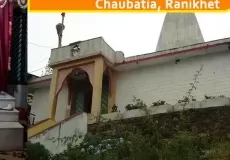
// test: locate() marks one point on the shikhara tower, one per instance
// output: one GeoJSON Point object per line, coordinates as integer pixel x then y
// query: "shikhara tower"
{"type": "Point", "coordinates": [178, 30]}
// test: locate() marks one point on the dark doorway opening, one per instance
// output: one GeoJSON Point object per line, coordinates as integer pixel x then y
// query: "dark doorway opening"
{"type": "Point", "coordinates": [105, 93]}
{"type": "Point", "coordinates": [82, 92]}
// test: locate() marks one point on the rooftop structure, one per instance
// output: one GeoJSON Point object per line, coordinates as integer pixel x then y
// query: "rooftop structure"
{"type": "Point", "coordinates": [178, 30]}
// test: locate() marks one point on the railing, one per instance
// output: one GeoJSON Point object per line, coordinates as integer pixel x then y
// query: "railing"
{"type": "Point", "coordinates": [31, 119]}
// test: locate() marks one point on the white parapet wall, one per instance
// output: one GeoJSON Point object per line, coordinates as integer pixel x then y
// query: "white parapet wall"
{"type": "Point", "coordinates": [208, 103]}
{"type": "Point", "coordinates": [87, 48]}
{"type": "Point", "coordinates": [53, 138]}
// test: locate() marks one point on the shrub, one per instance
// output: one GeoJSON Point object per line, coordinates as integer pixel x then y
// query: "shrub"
{"type": "Point", "coordinates": [138, 104]}
{"type": "Point", "coordinates": [184, 146]}
{"type": "Point", "coordinates": [133, 147]}
{"type": "Point", "coordinates": [220, 151]}
{"type": "Point", "coordinates": [36, 151]}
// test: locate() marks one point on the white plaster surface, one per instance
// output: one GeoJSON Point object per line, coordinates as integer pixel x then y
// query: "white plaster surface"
{"type": "Point", "coordinates": [165, 81]}
{"type": "Point", "coordinates": [62, 104]}
{"type": "Point", "coordinates": [51, 139]}
{"type": "Point", "coordinates": [87, 48]}
{"type": "Point", "coordinates": [40, 104]}
{"type": "Point", "coordinates": [11, 136]}
{"type": "Point", "coordinates": [9, 116]}
{"type": "Point", "coordinates": [170, 81]}
{"type": "Point", "coordinates": [6, 99]}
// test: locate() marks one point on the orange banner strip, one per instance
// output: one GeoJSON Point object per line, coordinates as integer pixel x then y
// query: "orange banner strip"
{"type": "Point", "coordinates": [130, 5]}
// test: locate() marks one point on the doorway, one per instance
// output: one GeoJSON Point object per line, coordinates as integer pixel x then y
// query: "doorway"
{"type": "Point", "coordinates": [105, 93]}
{"type": "Point", "coordinates": [82, 91]}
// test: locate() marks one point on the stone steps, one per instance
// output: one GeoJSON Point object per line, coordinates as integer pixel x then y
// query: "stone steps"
{"type": "Point", "coordinates": [11, 131]}
{"type": "Point", "coordinates": [9, 116]}
{"type": "Point", "coordinates": [6, 99]}
{"type": "Point", "coordinates": [11, 136]}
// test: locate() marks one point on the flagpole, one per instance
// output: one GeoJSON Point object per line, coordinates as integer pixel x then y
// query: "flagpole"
{"type": "Point", "coordinates": [60, 27]}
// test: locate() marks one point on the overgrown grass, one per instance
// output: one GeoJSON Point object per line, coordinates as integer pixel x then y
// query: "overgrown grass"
{"type": "Point", "coordinates": [183, 146]}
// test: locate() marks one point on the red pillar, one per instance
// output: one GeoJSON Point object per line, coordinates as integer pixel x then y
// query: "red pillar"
{"type": "Point", "coordinates": [6, 15]}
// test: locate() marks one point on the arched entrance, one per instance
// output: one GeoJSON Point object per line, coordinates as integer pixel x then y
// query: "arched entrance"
{"type": "Point", "coordinates": [81, 91]}
{"type": "Point", "coordinates": [93, 82]}
{"type": "Point", "coordinates": [73, 93]}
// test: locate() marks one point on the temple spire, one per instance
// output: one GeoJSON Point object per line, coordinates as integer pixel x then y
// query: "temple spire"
{"type": "Point", "coordinates": [178, 30]}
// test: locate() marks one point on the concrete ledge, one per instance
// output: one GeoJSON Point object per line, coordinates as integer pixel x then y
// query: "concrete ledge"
{"type": "Point", "coordinates": [214, 102]}
{"type": "Point", "coordinates": [9, 116]}
{"type": "Point", "coordinates": [11, 136]}
{"type": "Point", "coordinates": [6, 99]}
{"type": "Point", "coordinates": [111, 116]}
{"type": "Point", "coordinates": [160, 109]}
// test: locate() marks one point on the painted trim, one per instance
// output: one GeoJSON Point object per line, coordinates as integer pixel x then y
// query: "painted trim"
{"type": "Point", "coordinates": [39, 122]}
{"type": "Point", "coordinates": [97, 87]}
{"type": "Point", "coordinates": [171, 53]}
{"type": "Point", "coordinates": [99, 54]}
{"type": "Point", "coordinates": [98, 74]}
{"type": "Point", "coordinates": [40, 79]}
{"type": "Point", "coordinates": [70, 66]}
{"type": "Point", "coordinates": [73, 62]}
{"type": "Point", "coordinates": [52, 94]}
{"type": "Point", "coordinates": [52, 126]}
{"type": "Point", "coordinates": [112, 96]}
{"type": "Point", "coordinates": [40, 128]}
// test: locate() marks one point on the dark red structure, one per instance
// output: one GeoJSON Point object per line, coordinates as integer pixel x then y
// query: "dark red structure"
{"type": "Point", "coordinates": [13, 54]}
{"type": "Point", "coordinates": [6, 17]}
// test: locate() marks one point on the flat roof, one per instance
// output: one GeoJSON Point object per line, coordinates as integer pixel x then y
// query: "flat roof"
{"type": "Point", "coordinates": [159, 54]}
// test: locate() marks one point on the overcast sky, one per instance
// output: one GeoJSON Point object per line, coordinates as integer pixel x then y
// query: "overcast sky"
{"type": "Point", "coordinates": [131, 33]}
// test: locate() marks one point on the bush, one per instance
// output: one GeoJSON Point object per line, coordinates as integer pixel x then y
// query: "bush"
{"type": "Point", "coordinates": [184, 146]}
{"type": "Point", "coordinates": [36, 151]}
{"type": "Point", "coordinates": [133, 147]}
{"type": "Point", "coordinates": [220, 151]}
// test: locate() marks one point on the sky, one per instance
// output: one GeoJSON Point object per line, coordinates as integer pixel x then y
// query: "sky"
{"type": "Point", "coordinates": [132, 33]}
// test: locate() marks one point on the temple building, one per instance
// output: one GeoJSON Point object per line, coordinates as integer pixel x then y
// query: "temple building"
{"type": "Point", "coordinates": [90, 77]}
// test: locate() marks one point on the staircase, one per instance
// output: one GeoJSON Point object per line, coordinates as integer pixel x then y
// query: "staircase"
{"type": "Point", "coordinates": [11, 131]}
{"type": "Point", "coordinates": [52, 137]}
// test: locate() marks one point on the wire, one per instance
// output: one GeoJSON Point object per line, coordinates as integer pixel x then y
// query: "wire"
{"type": "Point", "coordinates": [43, 59]}
{"type": "Point", "coordinates": [35, 44]}
{"type": "Point", "coordinates": [40, 45]}
{"type": "Point", "coordinates": [39, 61]}
{"type": "Point", "coordinates": [36, 70]}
